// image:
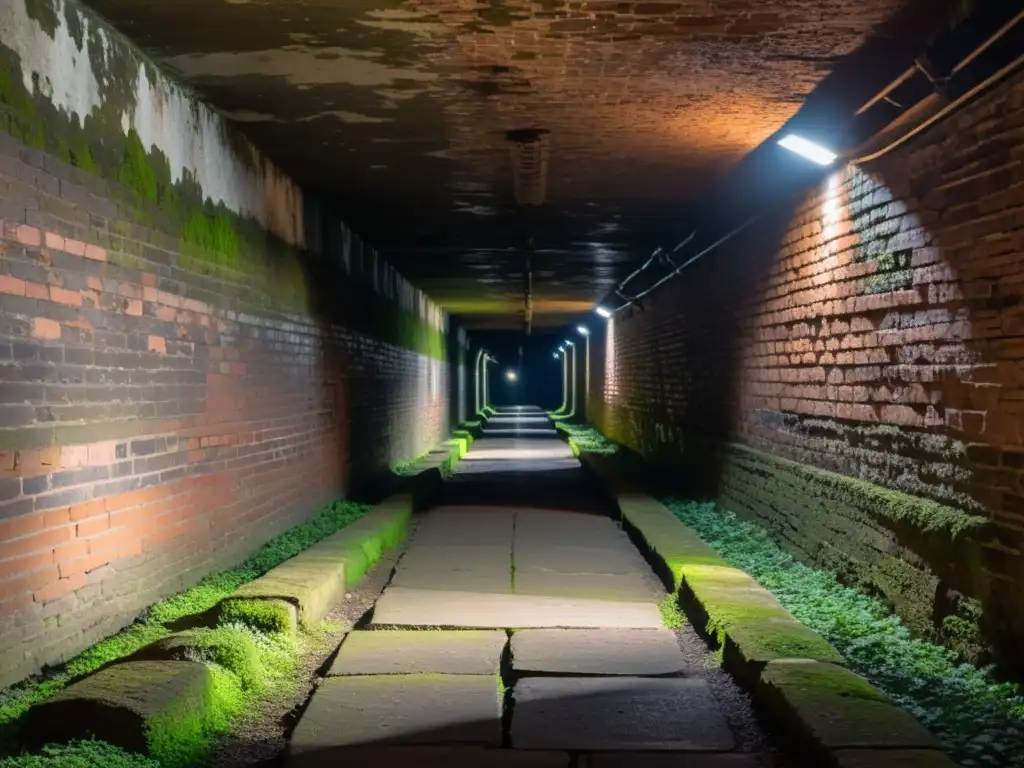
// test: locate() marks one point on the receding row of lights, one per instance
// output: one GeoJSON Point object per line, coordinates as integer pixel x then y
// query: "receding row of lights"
{"type": "Point", "coordinates": [580, 329]}
{"type": "Point", "coordinates": [797, 144]}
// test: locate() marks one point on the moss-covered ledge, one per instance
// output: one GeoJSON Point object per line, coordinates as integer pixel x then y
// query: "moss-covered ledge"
{"type": "Point", "coordinates": [886, 505]}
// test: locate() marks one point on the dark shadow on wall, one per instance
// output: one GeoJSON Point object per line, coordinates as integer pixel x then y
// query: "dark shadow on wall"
{"type": "Point", "coordinates": [365, 362]}
{"type": "Point", "coordinates": [679, 353]}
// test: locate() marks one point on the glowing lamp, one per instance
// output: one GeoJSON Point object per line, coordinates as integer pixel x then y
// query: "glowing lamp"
{"type": "Point", "coordinates": [807, 149]}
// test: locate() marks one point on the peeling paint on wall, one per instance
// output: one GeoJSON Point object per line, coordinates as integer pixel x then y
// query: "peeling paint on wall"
{"type": "Point", "coordinates": [302, 65]}
{"type": "Point", "coordinates": [72, 86]}
{"type": "Point", "coordinates": [71, 58]}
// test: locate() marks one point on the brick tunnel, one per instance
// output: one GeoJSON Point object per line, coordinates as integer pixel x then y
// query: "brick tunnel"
{"type": "Point", "coordinates": [515, 383]}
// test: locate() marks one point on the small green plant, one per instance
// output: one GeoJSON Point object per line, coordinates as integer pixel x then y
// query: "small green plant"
{"type": "Point", "coordinates": [586, 439]}
{"type": "Point", "coordinates": [671, 615]}
{"type": "Point", "coordinates": [979, 719]}
{"type": "Point", "coordinates": [80, 754]}
{"type": "Point", "coordinates": [271, 616]}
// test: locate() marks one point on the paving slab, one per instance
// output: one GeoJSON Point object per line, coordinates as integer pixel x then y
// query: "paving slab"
{"type": "Point", "coordinates": [407, 709]}
{"type": "Point", "coordinates": [487, 583]}
{"type": "Point", "coordinates": [404, 606]}
{"type": "Point", "coordinates": [669, 760]}
{"type": "Point", "coordinates": [619, 558]}
{"type": "Point", "coordinates": [635, 652]}
{"type": "Point", "coordinates": [430, 757]}
{"type": "Point", "coordinates": [385, 652]}
{"type": "Point", "coordinates": [597, 586]}
{"type": "Point", "coordinates": [461, 557]}
{"type": "Point", "coordinates": [473, 527]}
{"type": "Point", "coordinates": [617, 713]}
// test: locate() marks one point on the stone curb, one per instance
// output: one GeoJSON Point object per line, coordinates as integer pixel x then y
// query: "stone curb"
{"type": "Point", "coordinates": [315, 580]}
{"type": "Point", "coordinates": [124, 704]}
{"type": "Point", "coordinates": [832, 716]}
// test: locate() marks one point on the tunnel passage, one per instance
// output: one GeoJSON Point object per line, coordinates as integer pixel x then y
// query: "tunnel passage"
{"type": "Point", "coordinates": [757, 263]}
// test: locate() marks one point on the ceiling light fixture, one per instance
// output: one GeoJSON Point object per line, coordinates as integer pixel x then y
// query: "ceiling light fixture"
{"type": "Point", "coordinates": [605, 313]}
{"type": "Point", "coordinates": [808, 149]}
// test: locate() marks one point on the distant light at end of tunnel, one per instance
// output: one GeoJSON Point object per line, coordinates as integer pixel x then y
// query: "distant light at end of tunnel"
{"type": "Point", "coordinates": [583, 330]}
{"type": "Point", "coordinates": [808, 149]}
{"type": "Point", "coordinates": [511, 375]}
{"type": "Point", "coordinates": [603, 312]}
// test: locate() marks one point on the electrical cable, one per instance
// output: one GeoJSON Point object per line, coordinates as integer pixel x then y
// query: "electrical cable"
{"type": "Point", "coordinates": [982, 86]}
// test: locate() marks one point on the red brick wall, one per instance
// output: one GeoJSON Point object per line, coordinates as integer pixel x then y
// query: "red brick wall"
{"type": "Point", "coordinates": [877, 331]}
{"type": "Point", "coordinates": [157, 424]}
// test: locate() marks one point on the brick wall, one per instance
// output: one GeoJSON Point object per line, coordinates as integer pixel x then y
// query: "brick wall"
{"type": "Point", "coordinates": [180, 379]}
{"type": "Point", "coordinates": [156, 424]}
{"type": "Point", "coordinates": [876, 331]}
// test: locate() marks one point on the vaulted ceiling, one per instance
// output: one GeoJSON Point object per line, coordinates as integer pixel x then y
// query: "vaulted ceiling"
{"type": "Point", "coordinates": [474, 141]}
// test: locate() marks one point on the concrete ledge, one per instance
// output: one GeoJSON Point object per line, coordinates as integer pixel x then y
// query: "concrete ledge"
{"type": "Point", "coordinates": [831, 715]}
{"type": "Point", "coordinates": [315, 580]}
{"type": "Point", "coordinates": [828, 711]}
{"type": "Point", "coordinates": [130, 705]}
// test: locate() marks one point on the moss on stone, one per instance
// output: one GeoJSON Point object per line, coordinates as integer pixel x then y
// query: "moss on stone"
{"type": "Point", "coordinates": [921, 514]}
{"type": "Point", "coordinates": [271, 616]}
{"type": "Point", "coordinates": [227, 646]}
{"type": "Point", "coordinates": [754, 643]}
{"type": "Point", "coordinates": [827, 707]}
{"type": "Point", "coordinates": [161, 708]}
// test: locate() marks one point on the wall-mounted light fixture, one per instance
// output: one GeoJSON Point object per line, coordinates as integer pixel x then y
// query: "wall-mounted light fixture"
{"type": "Point", "coordinates": [807, 149]}
{"type": "Point", "coordinates": [603, 312]}
{"type": "Point", "coordinates": [585, 333]}
{"type": "Point", "coordinates": [571, 373]}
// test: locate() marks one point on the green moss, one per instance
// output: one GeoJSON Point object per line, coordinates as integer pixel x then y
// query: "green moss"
{"type": "Point", "coordinates": [181, 736]}
{"type": "Point", "coordinates": [671, 615]}
{"type": "Point", "coordinates": [215, 234]}
{"type": "Point", "coordinates": [524, 56]}
{"type": "Point", "coordinates": [823, 679]}
{"type": "Point", "coordinates": [135, 172]}
{"type": "Point", "coordinates": [229, 647]}
{"type": "Point", "coordinates": [271, 616]}
{"type": "Point", "coordinates": [921, 514]}
{"type": "Point", "coordinates": [80, 754]}
{"type": "Point", "coordinates": [768, 641]}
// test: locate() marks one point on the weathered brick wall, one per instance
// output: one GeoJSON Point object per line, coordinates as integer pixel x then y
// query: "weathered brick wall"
{"type": "Point", "coordinates": [874, 331]}
{"type": "Point", "coordinates": [194, 356]}
{"type": "Point", "coordinates": [156, 424]}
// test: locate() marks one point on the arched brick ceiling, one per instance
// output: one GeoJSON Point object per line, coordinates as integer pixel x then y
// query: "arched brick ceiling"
{"type": "Point", "coordinates": [399, 112]}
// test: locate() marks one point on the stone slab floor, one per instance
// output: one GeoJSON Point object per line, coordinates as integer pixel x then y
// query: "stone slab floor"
{"type": "Point", "coordinates": [521, 628]}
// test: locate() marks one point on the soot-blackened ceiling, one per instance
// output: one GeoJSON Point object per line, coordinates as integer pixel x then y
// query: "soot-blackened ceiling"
{"type": "Point", "coordinates": [401, 112]}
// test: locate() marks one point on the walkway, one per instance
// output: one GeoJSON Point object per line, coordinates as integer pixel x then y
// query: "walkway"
{"type": "Point", "coordinates": [520, 628]}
